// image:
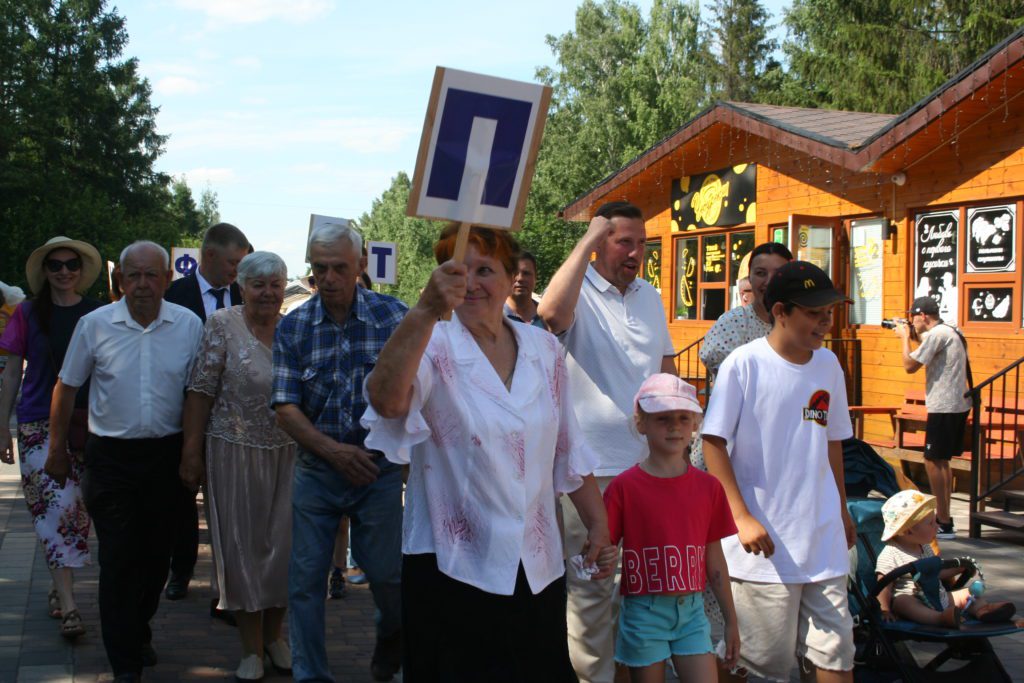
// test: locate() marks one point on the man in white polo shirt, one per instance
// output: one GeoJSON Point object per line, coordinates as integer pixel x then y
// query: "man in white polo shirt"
{"type": "Point", "coordinates": [138, 352]}
{"type": "Point", "coordinates": [615, 333]}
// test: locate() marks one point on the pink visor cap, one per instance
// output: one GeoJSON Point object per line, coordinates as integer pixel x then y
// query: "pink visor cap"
{"type": "Point", "coordinates": [662, 392]}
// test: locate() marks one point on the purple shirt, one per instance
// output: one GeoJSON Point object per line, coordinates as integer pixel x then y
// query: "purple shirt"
{"type": "Point", "coordinates": [43, 354]}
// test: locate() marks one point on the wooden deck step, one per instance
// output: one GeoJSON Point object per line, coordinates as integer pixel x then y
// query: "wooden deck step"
{"type": "Point", "coordinates": [999, 519]}
{"type": "Point", "coordinates": [1011, 498]}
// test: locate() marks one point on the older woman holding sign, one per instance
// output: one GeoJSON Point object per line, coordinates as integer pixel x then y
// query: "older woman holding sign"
{"type": "Point", "coordinates": [479, 407]}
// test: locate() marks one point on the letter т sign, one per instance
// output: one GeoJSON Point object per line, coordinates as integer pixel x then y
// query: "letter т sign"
{"type": "Point", "coordinates": [382, 262]}
{"type": "Point", "coordinates": [478, 149]}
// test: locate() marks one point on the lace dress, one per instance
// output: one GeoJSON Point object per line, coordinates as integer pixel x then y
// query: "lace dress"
{"type": "Point", "coordinates": [249, 464]}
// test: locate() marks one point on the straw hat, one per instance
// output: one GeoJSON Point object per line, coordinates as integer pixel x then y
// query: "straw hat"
{"type": "Point", "coordinates": [92, 264]}
{"type": "Point", "coordinates": [904, 510]}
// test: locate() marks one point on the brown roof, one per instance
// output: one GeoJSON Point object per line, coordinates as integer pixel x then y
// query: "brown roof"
{"type": "Point", "coordinates": [857, 141]}
{"type": "Point", "coordinates": [837, 128]}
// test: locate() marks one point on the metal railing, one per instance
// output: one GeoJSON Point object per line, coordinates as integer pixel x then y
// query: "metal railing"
{"type": "Point", "coordinates": [997, 427]}
{"type": "Point", "coordinates": [691, 369]}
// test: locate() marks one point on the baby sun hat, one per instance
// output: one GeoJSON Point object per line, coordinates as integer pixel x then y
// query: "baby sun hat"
{"type": "Point", "coordinates": [904, 510]}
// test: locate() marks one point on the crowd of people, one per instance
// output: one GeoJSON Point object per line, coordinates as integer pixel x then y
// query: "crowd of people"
{"type": "Point", "coordinates": [491, 457]}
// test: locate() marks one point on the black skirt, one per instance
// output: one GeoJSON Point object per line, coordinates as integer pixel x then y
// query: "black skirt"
{"type": "Point", "coordinates": [455, 633]}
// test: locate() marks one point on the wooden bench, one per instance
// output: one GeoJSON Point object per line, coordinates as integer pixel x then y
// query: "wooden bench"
{"type": "Point", "coordinates": [1002, 430]}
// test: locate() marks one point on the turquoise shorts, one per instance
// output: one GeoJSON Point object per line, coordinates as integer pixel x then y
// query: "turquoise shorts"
{"type": "Point", "coordinates": [652, 628]}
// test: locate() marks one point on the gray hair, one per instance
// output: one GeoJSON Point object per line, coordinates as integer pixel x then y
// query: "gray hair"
{"type": "Point", "coordinates": [139, 244]}
{"type": "Point", "coordinates": [261, 264]}
{"type": "Point", "coordinates": [327, 234]}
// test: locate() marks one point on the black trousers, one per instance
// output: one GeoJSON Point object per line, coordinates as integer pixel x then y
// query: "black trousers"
{"type": "Point", "coordinates": [455, 633]}
{"type": "Point", "coordinates": [131, 490]}
{"type": "Point", "coordinates": [186, 543]}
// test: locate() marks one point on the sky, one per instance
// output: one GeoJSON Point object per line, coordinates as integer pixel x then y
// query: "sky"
{"type": "Point", "coordinates": [291, 107]}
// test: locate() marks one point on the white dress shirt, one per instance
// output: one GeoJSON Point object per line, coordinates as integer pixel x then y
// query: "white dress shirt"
{"type": "Point", "coordinates": [487, 462]}
{"type": "Point", "coordinates": [138, 374]}
{"type": "Point", "coordinates": [615, 342]}
{"type": "Point", "coordinates": [208, 297]}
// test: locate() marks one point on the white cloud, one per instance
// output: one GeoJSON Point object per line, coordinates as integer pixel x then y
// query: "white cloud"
{"type": "Point", "coordinates": [178, 85]}
{"type": "Point", "coordinates": [248, 62]}
{"type": "Point", "coordinates": [256, 11]}
{"type": "Point", "coordinates": [199, 177]}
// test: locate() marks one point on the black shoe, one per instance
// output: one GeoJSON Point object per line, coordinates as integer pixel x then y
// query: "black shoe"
{"type": "Point", "coordinates": [387, 657]}
{"type": "Point", "coordinates": [177, 587]}
{"type": "Point", "coordinates": [947, 531]}
{"type": "Point", "coordinates": [336, 584]}
{"type": "Point", "coordinates": [149, 657]}
{"type": "Point", "coordinates": [222, 614]}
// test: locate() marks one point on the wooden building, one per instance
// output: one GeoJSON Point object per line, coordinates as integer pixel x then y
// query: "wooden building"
{"type": "Point", "coordinates": [926, 202]}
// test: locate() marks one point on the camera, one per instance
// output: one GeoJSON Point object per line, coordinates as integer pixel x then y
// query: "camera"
{"type": "Point", "coordinates": [891, 323]}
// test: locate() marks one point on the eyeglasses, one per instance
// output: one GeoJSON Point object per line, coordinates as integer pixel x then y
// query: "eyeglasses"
{"type": "Point", "coordinates": [72, 264]}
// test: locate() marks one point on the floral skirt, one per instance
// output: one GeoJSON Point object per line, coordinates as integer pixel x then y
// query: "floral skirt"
{"type": "Point", "coordinates": [58, 514]}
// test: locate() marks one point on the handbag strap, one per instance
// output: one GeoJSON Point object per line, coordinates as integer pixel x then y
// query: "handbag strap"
{"type": "Point", "coordinates": [967, 356]}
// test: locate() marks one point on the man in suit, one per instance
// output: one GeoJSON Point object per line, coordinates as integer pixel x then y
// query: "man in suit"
{"type": "Point", "coordinates": [211, 287]}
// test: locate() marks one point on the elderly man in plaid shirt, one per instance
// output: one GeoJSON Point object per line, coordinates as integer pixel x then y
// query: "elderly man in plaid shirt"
{"type": "Point", "coordinates": [322, 352]}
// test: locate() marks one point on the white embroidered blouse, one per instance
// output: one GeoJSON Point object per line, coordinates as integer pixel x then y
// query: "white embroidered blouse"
{"type": "Point", "coordinates": [486, 463]}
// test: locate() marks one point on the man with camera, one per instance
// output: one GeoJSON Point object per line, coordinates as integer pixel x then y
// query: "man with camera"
{"type": "Point", "coordinates": [943, 354]}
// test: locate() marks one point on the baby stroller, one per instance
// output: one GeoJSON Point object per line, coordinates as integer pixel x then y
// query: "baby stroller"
{"type": "Point", "coordinates": [883, 649]}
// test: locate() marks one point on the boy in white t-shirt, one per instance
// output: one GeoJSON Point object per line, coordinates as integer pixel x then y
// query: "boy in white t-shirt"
{"type": "Point", "coordinates": [773, 436]}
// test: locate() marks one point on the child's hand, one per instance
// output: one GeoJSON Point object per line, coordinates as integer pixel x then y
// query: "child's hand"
{"type": "Point", "coordinates": [732, 644]}
{"type": "Point", "coordinates": [608, 557]}
{"type": "Point", "coordinates": [594, 548]}
{"type": "Point", "coordinates": [888, 617]}
{"type": "Point", "coordinates": [754, 537]}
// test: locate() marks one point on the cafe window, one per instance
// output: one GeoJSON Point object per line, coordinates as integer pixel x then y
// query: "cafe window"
{"type": "Point", "coordinates": [707, 269]}
{"type": "Point", "coordinates": [652, 263]}
{"type": "Point", "coordinates": [966, 259]}
{"type": "Point", "coordinates": [866, 249]}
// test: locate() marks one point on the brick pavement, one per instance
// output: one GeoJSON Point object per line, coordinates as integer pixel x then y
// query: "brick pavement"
{"type": "Point", "coordinates": [192, 646]}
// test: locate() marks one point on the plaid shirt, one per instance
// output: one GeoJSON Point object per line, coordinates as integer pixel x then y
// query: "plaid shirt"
{"type": "Point", "coordinates": [320, 365]}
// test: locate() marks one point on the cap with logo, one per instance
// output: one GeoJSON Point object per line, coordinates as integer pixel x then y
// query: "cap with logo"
{"type": "Point", "coordinates": [924, 304]}
{"type": "Point", "coordinates": [804, 284]}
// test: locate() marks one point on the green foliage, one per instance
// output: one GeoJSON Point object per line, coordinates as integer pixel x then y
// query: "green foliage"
{"type": "Point", "coordinates": [743, 67]}
{"type": "Point", "coordinates": [415, 237]}
{"type": "Point", "coordinates": [78, 136]}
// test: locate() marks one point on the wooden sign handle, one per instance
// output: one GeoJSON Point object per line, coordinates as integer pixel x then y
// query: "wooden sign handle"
{"type": "Point", "coordinates": [461, 240]}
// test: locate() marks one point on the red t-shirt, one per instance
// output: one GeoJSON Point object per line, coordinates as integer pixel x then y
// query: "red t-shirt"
{"type": "Point", "coordinates": [665, 525]}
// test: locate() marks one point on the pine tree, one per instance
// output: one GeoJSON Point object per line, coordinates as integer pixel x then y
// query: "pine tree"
{"type": "Point", "coordinates": [740, 35]}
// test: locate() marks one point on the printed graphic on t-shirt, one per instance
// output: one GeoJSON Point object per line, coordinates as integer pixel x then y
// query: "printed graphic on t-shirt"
{"type": "Point", "coordinates": [817, 408]}
{"type": "Point", "coordinates": [668, 569]}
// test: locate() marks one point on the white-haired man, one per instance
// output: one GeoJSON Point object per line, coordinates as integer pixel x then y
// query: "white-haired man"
{"type": "Point", "coordinates": [138, 353]}
{"type": "Point", "coordinates": [322, 353]}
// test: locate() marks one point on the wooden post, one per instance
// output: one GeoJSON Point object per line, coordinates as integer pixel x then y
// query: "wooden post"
{"type": "Point", "coordinates": [461, 240]}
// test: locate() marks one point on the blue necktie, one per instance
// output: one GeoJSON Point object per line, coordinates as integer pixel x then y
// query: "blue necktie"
{"type": "Point", "coordinates": [218, 294]}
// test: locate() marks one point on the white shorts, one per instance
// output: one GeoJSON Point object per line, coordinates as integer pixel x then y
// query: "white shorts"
{"type": "Point", "coordinates": [780, 622]}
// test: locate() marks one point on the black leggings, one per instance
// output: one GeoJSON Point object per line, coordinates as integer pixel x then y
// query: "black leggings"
{"type": "Point", "coordinates": [455, 633]}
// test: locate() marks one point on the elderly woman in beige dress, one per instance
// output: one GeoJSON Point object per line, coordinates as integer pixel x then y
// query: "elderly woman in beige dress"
{"type": "Point", "coordinates": [249, 462]}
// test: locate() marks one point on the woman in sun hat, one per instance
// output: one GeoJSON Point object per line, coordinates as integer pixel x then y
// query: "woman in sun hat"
{"type": "Point", "coordinates": [37, 335]}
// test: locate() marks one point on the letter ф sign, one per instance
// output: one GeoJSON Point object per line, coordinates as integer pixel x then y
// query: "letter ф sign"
{"type": "Point", "coordinates": [478, 149]}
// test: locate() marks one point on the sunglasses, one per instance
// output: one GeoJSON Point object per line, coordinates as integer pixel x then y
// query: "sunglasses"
{"type": "Point", "coordinates": [72, 264]}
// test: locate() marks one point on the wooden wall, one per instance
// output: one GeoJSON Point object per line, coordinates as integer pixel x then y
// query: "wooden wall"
{"type": "Point", "coordinates": [985, 164]}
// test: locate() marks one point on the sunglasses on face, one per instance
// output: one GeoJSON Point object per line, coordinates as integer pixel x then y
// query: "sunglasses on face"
{"type": "Point", "coordinates": [72, 264]}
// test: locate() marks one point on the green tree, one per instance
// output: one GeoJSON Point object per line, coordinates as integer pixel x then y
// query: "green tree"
{"type": "Point", "coordinates": [209, 207]}
{"type": "Point", "coordinates": [183, 209]}
{"type": "Point", "coordinates": [883, 56]}
{"type": "Point", "coordinates": [743, 67]}
{"type": "Point", "coordinates": [78, 136]}
{"type": "Point", "coordinates": [415, 237]}
{"type": "Point", "coordinates": [622, 82]}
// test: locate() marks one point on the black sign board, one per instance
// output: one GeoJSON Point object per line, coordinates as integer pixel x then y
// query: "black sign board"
{"type": "Point", "coordinates": [991, 238]}
{"type": "Point", "coordinates": [686, 279]}
{"type": "Point", "coordinates": [990, 304]}
{"type": "Point", "coordinates": [652, 263]}
{"type": "Point", "coordinates": [725, 197]}
{"type": "Point", "coordinates": [935, 259]}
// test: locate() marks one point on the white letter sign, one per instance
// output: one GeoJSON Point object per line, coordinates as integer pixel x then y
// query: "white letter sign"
{"type": "Point", "coordinates": [382, 262]}
{"type": "Point", "coordinates": [478, 149]}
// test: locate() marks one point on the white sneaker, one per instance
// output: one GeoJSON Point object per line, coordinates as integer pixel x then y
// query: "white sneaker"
{"type": "Point", "coordinates": [250, 669]}
{"type": "Point", "coordinates": [280, 655]}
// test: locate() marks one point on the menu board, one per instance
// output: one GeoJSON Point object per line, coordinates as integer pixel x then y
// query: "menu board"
{"type": "Point", "coordinates": [991, 239]}
{"type": "Point", "coordinates": [866, 271]}
{"type": "Point", "coordinates": [713, 259]}
{"type": "Point", "coordinates": [935, 260]}
{"type": "Point", "coordinates": [990, 304]}
{"type": "Point", "coordinates": [686, 279]}
{"type": "Point", "coordinates": [652, 264]}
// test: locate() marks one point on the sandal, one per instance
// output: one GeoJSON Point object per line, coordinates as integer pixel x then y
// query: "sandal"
{"type": "Point", "coordinates": [53, 601]}
{"type": "Point", "coordinates": [71, 625]}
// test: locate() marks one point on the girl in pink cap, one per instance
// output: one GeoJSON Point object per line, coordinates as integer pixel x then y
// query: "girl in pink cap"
{"type": "Point", "coordinates": [670, 518]}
